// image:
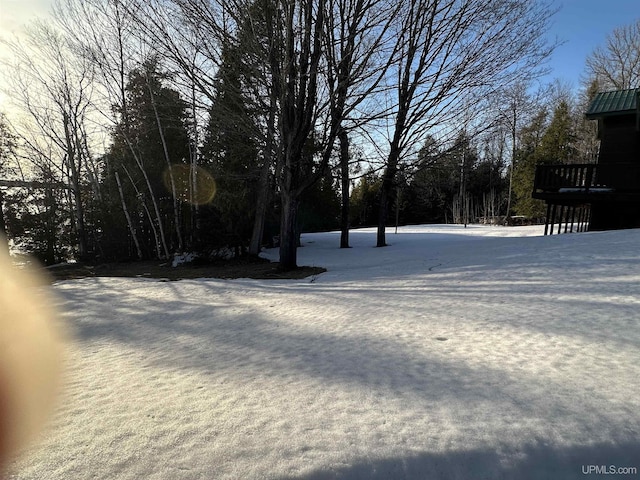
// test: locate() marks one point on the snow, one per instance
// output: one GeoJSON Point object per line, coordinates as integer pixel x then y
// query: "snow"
{"type": "Point", "coordinates": [453, 353]}
{"type": "Point", "coordinates": [182, 258]}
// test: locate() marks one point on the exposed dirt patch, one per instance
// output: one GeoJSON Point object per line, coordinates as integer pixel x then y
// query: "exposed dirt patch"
{"type": "Point", "coordinates": [257, 268]}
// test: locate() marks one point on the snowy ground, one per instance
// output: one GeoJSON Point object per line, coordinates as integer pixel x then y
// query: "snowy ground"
{"type": "Point", "coordinates": [454, 353]}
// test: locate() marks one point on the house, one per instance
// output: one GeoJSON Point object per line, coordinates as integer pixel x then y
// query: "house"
{"type": "Point", "coordinates": [604, 195]}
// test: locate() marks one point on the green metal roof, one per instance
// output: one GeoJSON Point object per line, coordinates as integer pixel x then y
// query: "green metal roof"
{"type": "Point", "coordinates": [614, 103]}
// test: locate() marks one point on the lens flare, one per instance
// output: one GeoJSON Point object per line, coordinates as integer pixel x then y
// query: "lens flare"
{"type": "Point", "coordinates": [193, 185]}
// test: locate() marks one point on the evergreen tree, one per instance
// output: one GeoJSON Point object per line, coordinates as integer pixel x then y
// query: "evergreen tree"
{"type": "Point", "coordinates": [35, 219]}
{"type": "Point", "coordinates": [445, 181]}
{"type": "Point", "coordinates": [556, 145]}
{"type": "Point", "coordinates": [320, 207]}
{"type": "Point", "coordinates": [150, 138]}
{"type": "Point", "coordinates": [587, 142]}
{"type": "Point", "coordinates": [7, 152]}
{"type": "Point", "coordinates": [364, 200]}
{"type": "Point", "coordinates": [231, 153]}
{"type": "Point", "coordinates": [525, 162]}
{"type": "Point", "coordinates": [432, 187]}
{"type": "Point", "coordinates": [8, 145]}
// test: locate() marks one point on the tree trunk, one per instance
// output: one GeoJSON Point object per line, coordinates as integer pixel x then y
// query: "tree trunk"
{"type": "Point", "coordinates": [80, 226]}
{"type": "Point", "coordinates": [143, 202]}
{"type": "Point", "coordinates": [132, 229]}
{"type": "Point", "coordinates": [4, 240]}
{"type": "Point", "coordinates": [156, 208]}
{"type": "Point", "coordinates": [513, 164]}
{"type": "Point", "coordinates": [385, 193]}
{"type": "Point", "coordinates": [50, 206]}
{"type": "Point", "coordinates": [344, 172]}
{"type": "Point", "coordinates": [264, 186]}
{"type": "Point", "coordinates": [174, 195]}
{"type": "Point", "coordinates": [295, 71]}
{"type": "Point", "coordinates": [288, 232]}
{"type": "Point", "coordinates": [72, 156]}
{"type": "Point", "coordinates": [398, 206]}
{"type": "Point", "coordinates": [392, 163]}
{"type": "Point", "coordinates": [261, 210]}
{"type": "Point", "coordinates": [382, 218]}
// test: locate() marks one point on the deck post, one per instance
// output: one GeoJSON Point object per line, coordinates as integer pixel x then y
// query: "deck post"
{"type": "Point", "coordinates": [573, 212]}
{"type": "Point", "coordinates": [553, 218]}
{"type": "Point", "coordinates": [546, 219]}
{"type": "Point", "coordinates": [583, 219]}
{"type": "Point", "coordinates": [560, 219]}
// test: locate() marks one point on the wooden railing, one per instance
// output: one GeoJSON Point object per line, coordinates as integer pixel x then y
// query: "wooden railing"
{"type": "Point", "coordinates": [587, 178]}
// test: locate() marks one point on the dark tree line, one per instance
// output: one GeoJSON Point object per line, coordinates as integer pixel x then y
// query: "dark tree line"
{"type": "Point", "coordinates": [445, 185]}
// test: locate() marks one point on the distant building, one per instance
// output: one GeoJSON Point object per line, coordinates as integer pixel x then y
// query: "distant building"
{"type": "Point", "coordinates": [602, 196]}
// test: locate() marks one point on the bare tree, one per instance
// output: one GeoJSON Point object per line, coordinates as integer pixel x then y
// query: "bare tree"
{"type": "Point", "coordinates": [167, 157]}
{"type": "Point", "coordinates": [188, 34]}
{"type": "Point", "coordinates": [515, 106]}
{"type": "Point", "coordinates": [616, 65]}
{"type": "Point", "coordinates": [55, 88]}
{"type": "Point", "coordinates": [327, 59]}
{"type": "Point", "coordinates": [103, 34]}
{"type": "Point", "coordinates": [100, 32]}
{"type": "Point", "coordinates": [193, 48]}
{"type": "Point", "coordinates": [358, 54]}
{"type": "Point", "coordinates": [301, 85]}
{"type": "Point", "coordinates": [454, 52]}
{"type": "Point", "coordinates": [295, 68]}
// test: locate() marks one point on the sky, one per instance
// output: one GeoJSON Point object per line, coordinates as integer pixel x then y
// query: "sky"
{"type": "Point", "coordinates": [581, 24]}
{"type": "Point", "coordinates": [14, 15]}
{"type": "Point", "coordinates": [584, 25]}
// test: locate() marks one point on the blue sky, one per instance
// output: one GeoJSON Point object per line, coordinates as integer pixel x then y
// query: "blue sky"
{"type": "Point", "coordinates": [583, 25]}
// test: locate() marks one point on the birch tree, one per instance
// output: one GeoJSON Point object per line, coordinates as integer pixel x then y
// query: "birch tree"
{"type": "Point", "coordinates": [101, 33]}
{"type": "Point", "coordinates": [153, 139]}
{"type": "Point", "coordinates": [200, 48]}
{"type": "Point", "coordinates": [104, 34]}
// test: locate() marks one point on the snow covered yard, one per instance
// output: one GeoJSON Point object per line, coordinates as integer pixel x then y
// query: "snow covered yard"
{"type": "Point", "coordinates": [453, 353]}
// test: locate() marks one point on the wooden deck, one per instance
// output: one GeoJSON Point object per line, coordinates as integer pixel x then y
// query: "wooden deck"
{"type": "Point", "coordinates": [587, 183]}
{"type": "Point", "coordinates": [583, 197]}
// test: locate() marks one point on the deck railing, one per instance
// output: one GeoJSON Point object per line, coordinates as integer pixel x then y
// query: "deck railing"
{"type": "Point", "coordinates": [586, 178]}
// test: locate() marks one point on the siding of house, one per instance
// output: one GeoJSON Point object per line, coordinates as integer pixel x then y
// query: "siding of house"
{"type": "Point", "coordinates": [620, 139]}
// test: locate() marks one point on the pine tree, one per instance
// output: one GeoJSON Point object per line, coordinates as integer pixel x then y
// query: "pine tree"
{"type": "Point", "coordinates": [557, 145]}
{"type": "Point", "coordinates": [525, 165]}
{"type": "Point", "coordinates": [150, 138]}
{"type": "Point", "coordinates": [230, 152]}
{"type": "Point", "coordinates": [542, 145]}
{"type": "Point", "coordinates": [364, 200]}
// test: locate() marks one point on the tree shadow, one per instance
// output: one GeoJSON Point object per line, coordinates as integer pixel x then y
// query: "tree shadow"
{"type": "Point", "coordinates": [222, 336]}
{"type": "Point", "coordinates": [534, 462]}
{"type": "Point", "coordinates": [200, 327]}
